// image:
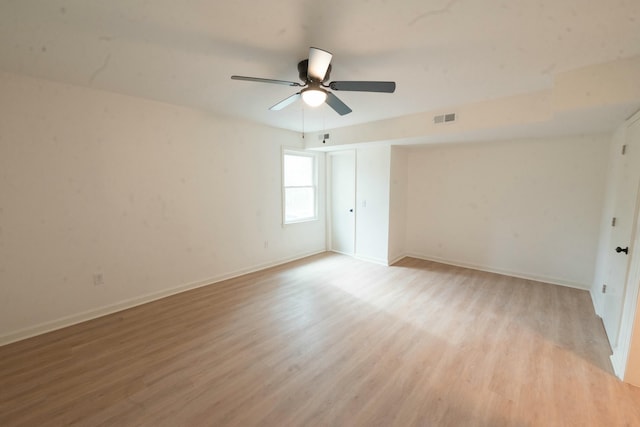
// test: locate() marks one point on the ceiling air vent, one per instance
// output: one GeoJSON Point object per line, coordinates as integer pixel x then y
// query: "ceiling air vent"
{"type": "Point", "coordinates": [444, 118]}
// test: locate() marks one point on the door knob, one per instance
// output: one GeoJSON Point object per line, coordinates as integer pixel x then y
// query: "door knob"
{"type": "Point", "coordinates": [625, 250]}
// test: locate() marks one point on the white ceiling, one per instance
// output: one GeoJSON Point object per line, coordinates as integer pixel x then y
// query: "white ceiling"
{"type": "Point", "coordinates": [441, 53]}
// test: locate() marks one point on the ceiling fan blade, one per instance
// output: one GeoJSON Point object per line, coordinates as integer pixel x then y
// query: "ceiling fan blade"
{"type": "Point", "coordinates": [386, 87]}
{"type": "Point", "coordinates": [259, 80]}
{"type": "Point", "coordinates": [285, 102]}
{"type": "Point", "coordinates": [319, 61]}
{"type": "Point", "coordinates": [335, 103]}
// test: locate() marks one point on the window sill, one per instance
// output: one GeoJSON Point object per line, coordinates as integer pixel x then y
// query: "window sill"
{"type": "Point", "coordinates": [300, 221]}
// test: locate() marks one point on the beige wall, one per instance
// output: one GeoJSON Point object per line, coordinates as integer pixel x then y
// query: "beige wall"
{"type": "Point", "coordinates": [153, 197]}
{"type": "Point", "coordinates": [528, 208]}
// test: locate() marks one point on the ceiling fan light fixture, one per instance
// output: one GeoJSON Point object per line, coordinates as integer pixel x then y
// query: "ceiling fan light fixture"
{"type": "Point", "coordinates": [314, 97]}
{"type": "Point", "coordinates": [314, 73]}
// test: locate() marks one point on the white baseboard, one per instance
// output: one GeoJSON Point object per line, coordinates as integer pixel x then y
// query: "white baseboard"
{"type": "Point", "coordinates": [595, 302]}
{"type": "Point", "coordinates": [613, 359]}
{"type": "Point", "coordinates": [527, 276]}
{"type": "Point", "coordinates": [396, 259]}
{"type": "Point", "coordinates": [537, 278]}
{"type": "Point", "coordinates": [618, 363]}
{"type": "Point", "coordinates": [340, 252]}
{"type": "Point", "coordinates": [374, 260]}
{"type": "Point", "coordinates": [84, 316]}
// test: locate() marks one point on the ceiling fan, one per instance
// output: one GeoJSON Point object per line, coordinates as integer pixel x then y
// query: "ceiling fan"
{"type": "Point", "coordinates": [314, 72]}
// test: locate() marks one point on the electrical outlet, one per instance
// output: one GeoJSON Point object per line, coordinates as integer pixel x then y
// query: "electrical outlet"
{"type": "Point", "coordinates": [98, 279]}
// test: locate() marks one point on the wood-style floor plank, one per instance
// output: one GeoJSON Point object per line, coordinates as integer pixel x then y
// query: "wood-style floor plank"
{"type": "Point", "coordinates": [329, 340]}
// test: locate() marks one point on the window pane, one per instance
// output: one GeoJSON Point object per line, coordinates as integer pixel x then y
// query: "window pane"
{"type": "Point", "coordinates": [298, 170]}
{"type": "Point", "coordinates": [299, 203]}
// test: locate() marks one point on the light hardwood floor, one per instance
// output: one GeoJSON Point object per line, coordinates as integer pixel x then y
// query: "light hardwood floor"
{"type": "Point", "coordinates": [329, 340]}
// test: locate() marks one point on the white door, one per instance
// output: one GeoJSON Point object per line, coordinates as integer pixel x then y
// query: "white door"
{"type": "Point", "coordinates": [626, 195]}
{"type": "Point", "coordinates": [342, 176]}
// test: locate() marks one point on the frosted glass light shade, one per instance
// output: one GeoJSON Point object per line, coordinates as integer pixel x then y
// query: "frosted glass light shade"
{"type": "Point", "coordinates": [314, 97]}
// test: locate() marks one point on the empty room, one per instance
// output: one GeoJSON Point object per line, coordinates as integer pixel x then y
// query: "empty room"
{"type": "Point", "coordinates": [298, 213]}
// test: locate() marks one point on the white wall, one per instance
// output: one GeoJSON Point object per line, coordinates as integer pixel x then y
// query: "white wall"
{"type": "Point", "coordinates": [398, 204]}
{"type": "Point", "coordinates": [372, 203]}
{"type": "Point", "coordinates": [153, 196]}
{"type": "Point", "coordinates": [528, 208]}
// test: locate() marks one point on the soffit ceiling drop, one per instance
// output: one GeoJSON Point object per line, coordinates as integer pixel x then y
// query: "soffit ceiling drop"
{"type": "Point", "coordinates": [441, 53]}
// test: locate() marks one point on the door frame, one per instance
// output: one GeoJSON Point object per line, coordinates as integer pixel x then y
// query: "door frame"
{"type": "Point", "coordinates": [631, 289]}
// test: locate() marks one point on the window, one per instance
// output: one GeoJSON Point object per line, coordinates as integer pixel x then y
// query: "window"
{"type": "Point", "coordinates": [299, 186]}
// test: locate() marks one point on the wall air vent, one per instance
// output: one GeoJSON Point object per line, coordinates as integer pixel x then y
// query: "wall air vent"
{"type": "Point", "coordinates": [444, 118]}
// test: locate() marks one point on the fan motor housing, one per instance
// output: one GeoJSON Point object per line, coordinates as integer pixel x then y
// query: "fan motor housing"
{"type": "Point", "coordinates": [303, 67]}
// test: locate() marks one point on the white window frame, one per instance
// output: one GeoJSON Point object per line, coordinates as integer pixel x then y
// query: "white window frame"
{"type": "Point", "coordinates": [302, 153]}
